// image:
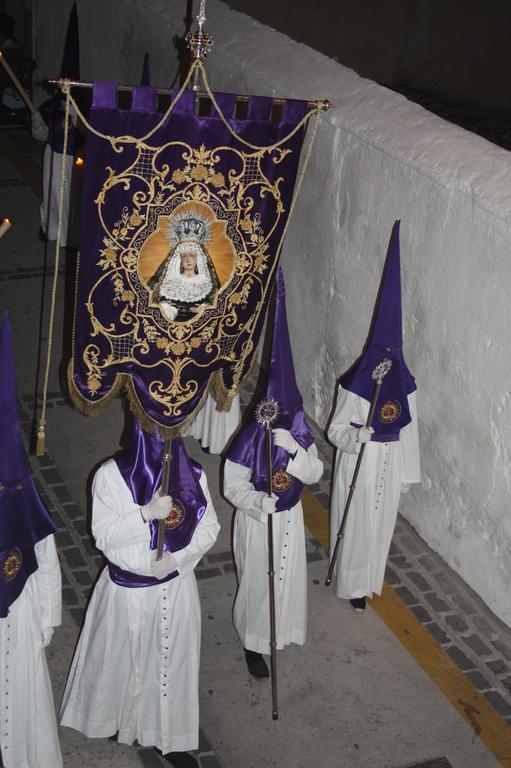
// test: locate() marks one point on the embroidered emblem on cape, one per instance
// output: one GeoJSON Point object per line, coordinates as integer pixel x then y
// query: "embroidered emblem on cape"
{"type": "Point", "coordinates": [281, 481]}
{"type": "Point", "coordinates": [389, 412]}
{"type": "Point", "coordinates": [11, 566]}
{"type": "Point", "coordinates": [176, 515]}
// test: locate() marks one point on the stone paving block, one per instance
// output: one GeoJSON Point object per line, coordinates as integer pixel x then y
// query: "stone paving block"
{"type": "Point", "coordinates": [77, 614]}
{"type": "Point", "coordinates": [391, 576]}
{"type": "Point", "coordinates": [314, 556]}
{"type": "Point", "coordinates": [479, 680]}
{"type": "Point", "coordinates": [394, 549]}
{"type": "Point", "coordinates": [498, 667]}
{"type": "Point", "coordinates": [410, 542]}
{"type": "Point", "coordinates": [446, 583]}
{"type": "Point", "coordinates": [207, 573]}
{"type": "Point", "coordinates": [459, 658]}
{"type": "Point", "coordinates": [506, 682]}
{"type": "Point", "coordinates": [401, 562]}
{"type": "Point", "coordinates": [421, 614]}
{"type": "Point", "coordinates": [229, 568]}
{"type": "Point", "coordinates": [456, 623]}
{"type": "Point", "coordinates": [437, 603]}
{"type": "Point", "coordinates": [314, 488]}
{"type": "Point", "coordinates": [63, 539]}
{"type": "Point", "coordinates": [498, 703]}
{"type": "Point", "coordinates": [81, 527]}
{"type": "Point", "coordinates": [57, 519]}
{"type": "Point", "coordinates": [419, 581]}
{"type": "Point", "coordinates": [45, 461]}
{"type": "Point", "coordinates": [204, 745]}
{"type": "Point", "coordinates": [438, 633]}
{"type": "Point", "coordinates": [73, 511]}
{"type": "Point", "coordinates": [69, 596]}
{"type": "Point", "coordinates": [218, 557]}
{"type": "Point", "coordinates": [62, 493]}
{"type": "Point", "coordinates": [484, 626]}
{"type": "Point", "coordinates": [89, 546]}
{"type": "Point", "coordinates": [477, 645]}
{"type": "Point", "coordinates": [74, 557]}
{"type": "Point", "coordinates": [405, 595]}
{"type": "Point", "coordinates": [502, 648]}
{"type": "Point", "coordinates": [52, 476]}
{"type": "Point", "coordinates": [427, 562]}
{"type": "Point", "coordinates": [83, 577]}
{"type": "Point", "coordinates": [464, 604]}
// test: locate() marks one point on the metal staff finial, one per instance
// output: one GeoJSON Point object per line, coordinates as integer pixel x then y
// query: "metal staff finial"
{"type": "Point", "coordinates": [199, 43]}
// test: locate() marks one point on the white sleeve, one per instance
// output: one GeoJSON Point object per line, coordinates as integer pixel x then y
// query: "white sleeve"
{"type": "Point", "coordinates": [203, 538]}
{"type": "Point", "coordinates": [239, 490]}
{"type": "Point", "coordinates": [49, 582]}
{"type": "Point", "coordinates": [117, 525]}
{"type": "Point", "coordinates": [409, 441]}
{"type": "Point", "coordinates": [306, 465]}
{"type": "Point", "coordinates": [340, 432]}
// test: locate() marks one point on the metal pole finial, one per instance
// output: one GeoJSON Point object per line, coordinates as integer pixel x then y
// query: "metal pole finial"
{"type": "Point", "coordinates": [199, 43]}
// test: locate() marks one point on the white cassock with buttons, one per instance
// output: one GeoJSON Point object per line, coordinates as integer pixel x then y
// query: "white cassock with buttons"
{"type": "Point", "coordinates": [386, 470]}
{"type": "Point", "coordinates": [28, 735]}
{"type": "Point", "coordinates": [251, 614]}
{"type": "Point", "coordinates": [136, 666]}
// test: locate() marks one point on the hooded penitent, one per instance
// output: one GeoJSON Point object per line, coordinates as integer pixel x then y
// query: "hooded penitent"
{"type": "Point", "coordinates": [385, 341]}
{"type": "Point", "coordinates": [52, 111]}
{"type": "Point", "coordinates": [248, 446]}
{"type": "Point", "coordinates": [23, 518]}
{"type": "Point", "coordinates": [141, 468]}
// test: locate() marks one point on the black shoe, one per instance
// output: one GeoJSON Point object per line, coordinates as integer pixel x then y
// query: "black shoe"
{"type": "Point", "coordinates": [358, 604]}
{"type": "Point", "coordinates": [42, 235]}
{"type": "Point", "coordinates": [179, 759]}
{"type": "Point", "coordinates": [256, 664]}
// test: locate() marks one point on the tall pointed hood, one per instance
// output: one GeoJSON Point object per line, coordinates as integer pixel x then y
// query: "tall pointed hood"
{"type": "Point", "coordinates": [248, 446]}
{"type": "Point", "coordinates": [70, 66]}
{"type": "Point", "coordinates": [385, 341]}
{"type": "Point", "coordinates": [146, 74]}
{"type": "Point", "coordinates": [141, 468]}
{"type": "Point", "coordinates": [23, 518]}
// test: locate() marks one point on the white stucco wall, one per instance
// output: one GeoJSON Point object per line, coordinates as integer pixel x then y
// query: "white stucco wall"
{"type": "Point", "coordinates": [378, 158]}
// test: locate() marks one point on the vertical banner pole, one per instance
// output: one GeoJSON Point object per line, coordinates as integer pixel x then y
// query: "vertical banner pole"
{"type": "Point", "coordinates": [164, 490]}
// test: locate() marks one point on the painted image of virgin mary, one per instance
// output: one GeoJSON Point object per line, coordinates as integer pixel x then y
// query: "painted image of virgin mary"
{"type": "Point", "coordinates": [186, 280]}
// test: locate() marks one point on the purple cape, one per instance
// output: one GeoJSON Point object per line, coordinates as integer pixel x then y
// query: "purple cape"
{"type": "Point", "coordinates": [385, 341]}
{"type": "Point", "coordinates": [23, 518]}
{"type": "Point", "coordinates": [141, 468]}
{"type": "Point", "coordinates": [248, 446]}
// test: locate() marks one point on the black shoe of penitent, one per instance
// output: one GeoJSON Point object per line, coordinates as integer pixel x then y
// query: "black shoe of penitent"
{"type": "Point", "coordinates": [358, 604]}
{"type": "Point", "coordinates": [179, 759]}
{"type": "Point", "coordinates": [256, 664]}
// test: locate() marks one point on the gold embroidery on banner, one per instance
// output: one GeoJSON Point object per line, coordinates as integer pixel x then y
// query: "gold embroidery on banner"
{"type": "Point", "coordinates": [389, 411]}
{"type": "Point", "coordinates": [12, 564]}
{"type": "Point", "coordinates": [161, 193]}
{"type": "Point", "coordinates": [281, 480]}
{"type": "Point", "coordinates": [175, 516]}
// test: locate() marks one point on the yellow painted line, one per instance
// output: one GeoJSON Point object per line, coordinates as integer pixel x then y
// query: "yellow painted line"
{"type": "Point", "coordinates": [456, 687]}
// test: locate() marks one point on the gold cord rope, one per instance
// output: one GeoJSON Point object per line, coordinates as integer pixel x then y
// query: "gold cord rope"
{"type": "Point", "coordinates": [42, 421]}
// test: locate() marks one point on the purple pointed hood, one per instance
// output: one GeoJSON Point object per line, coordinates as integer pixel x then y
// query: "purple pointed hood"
{"type": "Point", "coordinates": [23, 518]}
{"type": "Point", "coordinates": [141, 467]}
{"type": "Point", "coordinates": [70, 66]}
{"type": "Point", "coordinates": [146, 73]}
{"type": "Point", "coordinates": [385, 341]}
{"type": "Point", "coordinates": [248, 446]}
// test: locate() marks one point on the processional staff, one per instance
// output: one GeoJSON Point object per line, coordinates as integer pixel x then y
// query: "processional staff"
{"type": "Point", "coordinates": [378, 374]}
{"type": "Point", "coordinates": [266, 413]}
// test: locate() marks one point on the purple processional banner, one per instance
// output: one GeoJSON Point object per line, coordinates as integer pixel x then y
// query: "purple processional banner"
{"type": "Point", "coordinates": [180, 235]}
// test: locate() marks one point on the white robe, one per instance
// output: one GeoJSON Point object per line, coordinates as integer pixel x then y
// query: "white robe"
{"type": "Point", "coordinates": [214, 428]}
{"type": "Point", "coordinates": [28, 733]}
{"type": "Point", "coordinates": [385, 468]}
{"type": "Point", "coordinates": [136, 667]}
{"type": "Point", "coordinates": [251, 613]}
